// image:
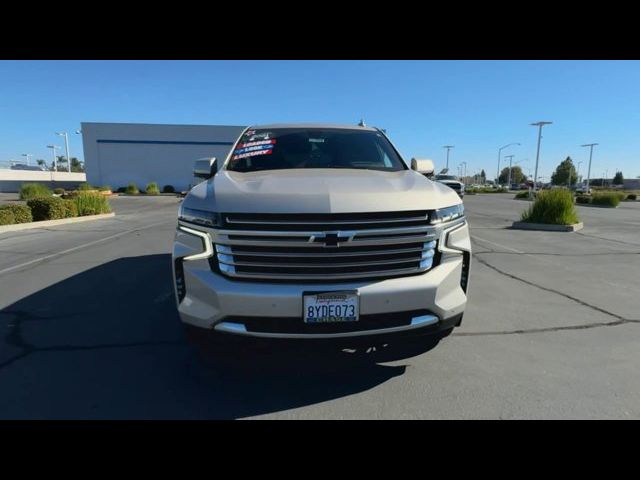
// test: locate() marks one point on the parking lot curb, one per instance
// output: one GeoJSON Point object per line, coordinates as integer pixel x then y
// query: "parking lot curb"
{"type": "Point", "coordinates": [52, 223]}
{"type": "Point", "coordinates": [595, 206]}
{"type": "Point", "coordinates": [547, 227]}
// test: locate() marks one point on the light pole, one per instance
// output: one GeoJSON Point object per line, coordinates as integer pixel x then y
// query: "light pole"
{"type": "Point", "coordinates": [464, 173]}
{"type": "Point", "coordinates": [535, 175]}
{"type": "Point", "coordinates": [66, 147]}
{"type": "Point", "coordinates": [500, 150]}
{"type": "Point", "coordinates": [510, 157]}
{"type": "Point", "coordinates": [448, 147]}
{"type": "Point", "coordinates": [27, 155]}
{"type": "Point", "coordinates": [578, 172]}
{"type": "Point", "coordinates": [55, 163]}
{"type": "Point", "coordinates": [591, 145]}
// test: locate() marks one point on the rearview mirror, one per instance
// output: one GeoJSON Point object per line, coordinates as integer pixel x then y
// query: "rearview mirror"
{"type": "Point", "coordinates": [205, 168]}
{"type": "Point", "coordinates": [422, 165]}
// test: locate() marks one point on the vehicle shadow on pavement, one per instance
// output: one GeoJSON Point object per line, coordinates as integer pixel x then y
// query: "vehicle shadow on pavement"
{"type": "Point", "coordinates": [107, 343]}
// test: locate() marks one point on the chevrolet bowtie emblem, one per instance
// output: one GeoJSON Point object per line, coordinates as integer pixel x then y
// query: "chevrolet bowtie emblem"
{"type": "Point", "coordinates": [332, 239]}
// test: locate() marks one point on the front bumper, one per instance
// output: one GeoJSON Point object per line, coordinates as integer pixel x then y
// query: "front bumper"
{"type": "Point", "coordinates": [427, 302]}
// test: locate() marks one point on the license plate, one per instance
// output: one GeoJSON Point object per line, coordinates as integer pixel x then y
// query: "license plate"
{"type": "Point", "coordinates": [331, 307]}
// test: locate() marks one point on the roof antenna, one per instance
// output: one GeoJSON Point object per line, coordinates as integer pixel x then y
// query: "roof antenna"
{"type": "Point", "coordinates": [362, 124]}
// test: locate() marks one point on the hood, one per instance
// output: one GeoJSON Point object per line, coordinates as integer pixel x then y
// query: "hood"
{"type": "Point", "coordinates": [319, 191]}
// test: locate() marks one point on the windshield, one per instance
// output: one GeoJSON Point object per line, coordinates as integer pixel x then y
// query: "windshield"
{"type": "Point", "coordinates": [285, 148]}
{"type": "Point", "coordinates": [446, 177]}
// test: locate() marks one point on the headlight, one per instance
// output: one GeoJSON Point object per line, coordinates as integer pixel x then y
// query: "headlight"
{"type": "Point", "coordinates": [199, 217]}
{"type": "Point", "coordinates": [446, 214]}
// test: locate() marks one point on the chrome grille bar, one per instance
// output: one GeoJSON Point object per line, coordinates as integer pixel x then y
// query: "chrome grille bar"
{"type": "Point", "coordinates": [319, 247]}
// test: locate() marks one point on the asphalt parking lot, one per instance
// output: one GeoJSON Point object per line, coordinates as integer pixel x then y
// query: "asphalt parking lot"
{"type": "Point", "coordinates": [552, 330]}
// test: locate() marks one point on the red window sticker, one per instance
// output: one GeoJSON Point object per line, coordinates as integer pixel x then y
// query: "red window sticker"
{"type": "Point", "coordinates": [253, 144]}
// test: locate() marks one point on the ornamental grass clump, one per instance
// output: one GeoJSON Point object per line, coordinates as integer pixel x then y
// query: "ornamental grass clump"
{"type": "Point", "coordinates": [606, 199]}
{"type": "Point", "coordinates": [553, 207]}
{"type": "Point", "coordinates": [34, 190]}
{"type": "Point", "coordinates": [131, 189]}
{"type": "Point", "coordinates": [152, 189]}
{"type": "Point", "coordinates": [91, 203]}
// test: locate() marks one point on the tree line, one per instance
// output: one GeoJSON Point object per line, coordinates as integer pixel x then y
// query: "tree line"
{"type": "Point", "coordinates": [61, 164]}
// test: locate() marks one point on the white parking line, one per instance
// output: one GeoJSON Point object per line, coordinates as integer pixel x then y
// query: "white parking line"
{"type": "Point", "coordinates": [497, 244]}
{"type": "Point", "coordinates": [78, 247]}
{"type": "Point", "coordinates": [537, 257]}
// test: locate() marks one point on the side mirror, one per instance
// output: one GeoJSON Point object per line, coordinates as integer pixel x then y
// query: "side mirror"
{"type": "Point", "coordinates": [205, 168]}
{"type": "Point", "coordinates": [423, 166]}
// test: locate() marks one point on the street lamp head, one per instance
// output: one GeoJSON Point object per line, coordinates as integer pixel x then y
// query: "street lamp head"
{"type": "Point", "coordinates": [448, 146]}
{"type": "Point", "coordinates": [590, 145]}
{"type": "Point", "coordinates": [540, 124]}
{"type": "Point", "coordinates": [508, 145]}
{"type": "Point", "coordinates": [78, 132]}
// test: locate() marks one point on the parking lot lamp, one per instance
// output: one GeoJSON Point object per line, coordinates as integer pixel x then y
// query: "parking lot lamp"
{"type": "Point", "coordinates": [66, 147]}
{"type": "Point", "coordinates": [590, 145]}
{"type": "Point", "coordinates": [535, 175]}
{"type": "Point", "coordinates": [55, 160]}
{"type": "Point", "coordinates": [500, 150]}
{"type": "Point", "coordinates": [510, 157]}
{"type": "Point", "coordinates": [448, 147]}
{"type": "Point", "coordinates": [27, 155]}
{"type": "Point", "coordinates": [578, 172]}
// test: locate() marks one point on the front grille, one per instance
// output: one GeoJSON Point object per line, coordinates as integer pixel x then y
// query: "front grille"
{"type": "Point", "coordinates": [313, 247]}
{"type": "Point", "coordinates": [297, 325]}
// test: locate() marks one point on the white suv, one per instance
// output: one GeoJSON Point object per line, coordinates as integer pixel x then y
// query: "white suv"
{"type": "Point", "coordinates": [320, 231]}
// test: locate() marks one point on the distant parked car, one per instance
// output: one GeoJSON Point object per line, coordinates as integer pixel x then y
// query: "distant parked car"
{"type": "Point", "coordinates": [582, 189]}
{"type": "Point", "coordinates": [22, 166]}
{"type": "Point", "coordinates": [452, 182]}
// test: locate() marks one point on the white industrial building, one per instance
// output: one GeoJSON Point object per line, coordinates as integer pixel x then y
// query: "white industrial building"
{"type": "Point", "coordinates": [117, 154]}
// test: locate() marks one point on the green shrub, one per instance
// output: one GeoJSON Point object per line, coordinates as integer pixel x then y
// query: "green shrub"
{"type": "Point", "coordinates": [583, 199]}
{"type": "Point", "coordinates": [85, 186]}
{"type": "Point", "coordinates": [90, 203]}
{"type": "Point", "coordinates": [524, 194]}
{"type": "Point", "coordinates": [71, 209]}
{"type": "Point", "coordinates": [632, 196]}
{"type": "Point", "coordinates": [21, 213]}
{"type": "Point", "coordinates": [34, 190]}
{"type": "Point", "coordinates": [152, 189]}
{"type": "Point", "coordinates": [132, 189]}
{"type": "Point", "coordinates": [47, 208]}
{"type": "Point", "coordinates": [168, 189]}
{"type": "Point", "coordinates": [606, 199]}
{"type": "Point", "coordinates": [105, 188]}
{"type": "Point", "coordinates": [554, 207]}
{"type": "Point", "coordinates": [485, 190]}
{"type": "Point", "coordinates": [58, 191]}
{"type": "Point", "coordinates": [6, 217]}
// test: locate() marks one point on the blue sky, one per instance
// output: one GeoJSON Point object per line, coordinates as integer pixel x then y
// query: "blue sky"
{"type": "Point", "coordinates": [477, 106]}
